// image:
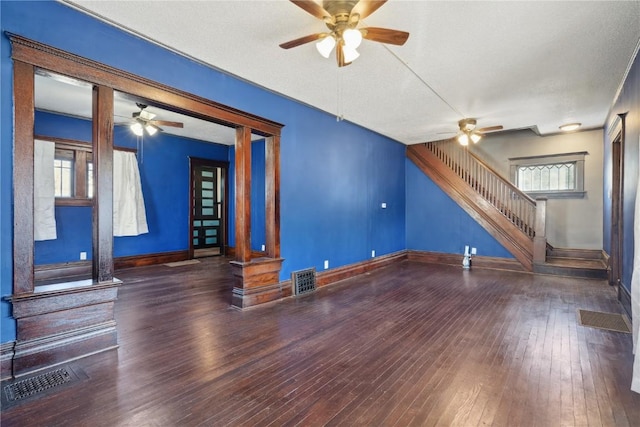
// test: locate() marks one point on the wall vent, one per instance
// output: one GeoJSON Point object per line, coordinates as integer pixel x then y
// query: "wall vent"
{"type": "Point", "coordinates": [304, 281]}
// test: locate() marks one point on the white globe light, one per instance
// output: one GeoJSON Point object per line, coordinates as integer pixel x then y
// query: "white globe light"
{"type": "Point", "coordinates": [352, 38]}
{"type": "Point", "coordinates": [350, 54]}
{"type": "Point", "coordinates": [325, 46]}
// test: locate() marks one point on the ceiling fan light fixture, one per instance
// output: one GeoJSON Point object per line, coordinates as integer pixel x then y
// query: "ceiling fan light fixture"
{"type": "Point", "coordinates": [326, 45]}
{"type": "Point", "coordinates": [570, 127]}
{"type": "Point", "coordinates": [137, 129]}
{"type": "Point", "coordinates": [463, 139]}
{"type": "Point", "coordinates": [352, 38]}
{"type": "Point", "coordinates": [151, 129]}
{"type": "Point", "coordinates": [350, 54]}
{"type": "Point", "coordinates": [475, 137]}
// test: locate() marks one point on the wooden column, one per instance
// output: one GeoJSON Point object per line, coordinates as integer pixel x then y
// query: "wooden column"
{"type": "Point", "coordinates": [540, 239]}
{"type": "Point", "coordinates": [103, 175]}
{"type": "Point", "coordinates": [272, 216]}
{"type": "Point", "coordinates": [256, 281]}
{"type": "Point", "coordinates": [24, 92]}
{"type": "Point", "coordinates": [60, 322]}
{"type": "Point", "coordinates": [243, 194]}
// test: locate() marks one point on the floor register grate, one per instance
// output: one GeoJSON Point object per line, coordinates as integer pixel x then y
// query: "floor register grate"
{"type": "Point", "coordinates": [304, 281]}
{"type": "Point", "coordinates": [17, 391]}
{"type": "Point", "coordinates": [608, 321]}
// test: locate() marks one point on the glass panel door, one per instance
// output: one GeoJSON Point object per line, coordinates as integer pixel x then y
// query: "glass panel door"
{"type": "Point", "coordinates": [208, 199]}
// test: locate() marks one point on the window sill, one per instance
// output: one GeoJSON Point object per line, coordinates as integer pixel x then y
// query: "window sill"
{"type": "Point", "coordinates": [71, 201]}
{"type": "Point", "coordinates": [557, 194]}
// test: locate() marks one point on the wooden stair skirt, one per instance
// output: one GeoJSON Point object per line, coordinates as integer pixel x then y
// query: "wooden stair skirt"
{"type": "Point", "coordinates": [519, 244]}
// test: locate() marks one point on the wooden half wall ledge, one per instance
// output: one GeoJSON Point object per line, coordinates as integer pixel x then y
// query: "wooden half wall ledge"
{"type": "Point", "coordinates": [59, 323]}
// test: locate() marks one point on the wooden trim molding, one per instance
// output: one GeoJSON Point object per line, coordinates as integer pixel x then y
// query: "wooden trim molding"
{"type": "Point", "coordinates": [334, 275]}
{"type": "Point", "coordinates": [150, 259]}
{"type": "Point", "coordinates": [625, 300]}
{"type": "Point", "coordinates": [7, 350]}
{"type": "Point", "coordinates": [477, 261]}
{"type": "Point", "coordinates": [65, 270]}
{"type": "Point", "coordinates": [23, 235]}
{"type": "Point", "coordinates": [50, 58]}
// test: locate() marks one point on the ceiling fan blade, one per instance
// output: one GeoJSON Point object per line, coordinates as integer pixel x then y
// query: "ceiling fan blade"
{"type": "Point", "coordinates": [490, 128]}
{"type": "Point", "coordinates": [385, 35]}
{"type": "Point", "coordinates": [301, 41]}
{"type": "Point", "coordinates": [166, 123]}
{"type": "Point", "coordinates": [312, 7]}
{"type": "Point", "coordinates": [365, 8]}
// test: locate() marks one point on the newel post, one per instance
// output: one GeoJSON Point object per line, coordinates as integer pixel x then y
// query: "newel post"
{"type": "Point", "coordinates": [540, 239]}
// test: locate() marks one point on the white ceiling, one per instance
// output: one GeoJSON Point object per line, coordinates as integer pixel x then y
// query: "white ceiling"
{"type": "Point", "coordinates": [518, 64]}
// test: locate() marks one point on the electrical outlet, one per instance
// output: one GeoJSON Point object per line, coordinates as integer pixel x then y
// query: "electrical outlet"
{"type": "Point", "coordinates": [473, 251]}
{"type": "Point", "coordinates": [263, 248]}
{"type": "Point", "coordinates": [373, 254]}
{"type": "Point", "coordinates": [383, 205]}
{"type": "Point", "coordinates": [83, 256]}
{"type": "Point", "coordinates": [326, 264]}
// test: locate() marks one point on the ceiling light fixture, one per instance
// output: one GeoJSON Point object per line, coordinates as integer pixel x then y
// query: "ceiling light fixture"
{"type": "Point", "coordinates": [347, 40]}
{"type": "Point", "coordinates": [326, 45]}
{"type": "Point", "coordinates": [352, 38]}
{"type": "Point", "coordinates": [151, 129]}
{"type": "Point", "coordinates": [570, 127]}
{"type": "Point", "coordinates": [137, 129]}
{"type": "Point", "coordinates": [350, 54]}
{"type": "Point", "coordinates": [468, 132]}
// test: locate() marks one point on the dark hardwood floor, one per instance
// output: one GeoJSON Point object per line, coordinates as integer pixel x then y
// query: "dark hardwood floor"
{"type": "Point", "coordinates": [410, 344]}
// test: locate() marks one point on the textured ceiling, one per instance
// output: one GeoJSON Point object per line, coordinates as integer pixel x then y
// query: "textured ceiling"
{"type": "Point", "coordinates": [517, 64]}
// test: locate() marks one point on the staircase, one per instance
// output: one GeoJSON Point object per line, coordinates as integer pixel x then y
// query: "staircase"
{"type": "Point", "coordinates": [512, 217]}
{"type": "Point", "coordinates": [589, 264]}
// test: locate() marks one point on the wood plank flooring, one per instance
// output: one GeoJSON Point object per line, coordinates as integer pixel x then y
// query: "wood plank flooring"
{"type": "Point", "coordinates": [412, 344]}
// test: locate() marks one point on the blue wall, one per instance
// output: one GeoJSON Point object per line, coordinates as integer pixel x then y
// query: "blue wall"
{"type": "Point", "coordinates": [334, 175]}
{"type": "Point", "coordinates": [164, 172]}
{"type": "Point", "coordinates": [436, 223]}
{"type": "Point", "coordinates": [628, 102]}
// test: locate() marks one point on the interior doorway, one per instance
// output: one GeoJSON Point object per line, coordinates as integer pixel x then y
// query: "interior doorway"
{"type": "Point", "coordinates": [617, 194]}
{"type": "Point", "coordinates": [208, 213]}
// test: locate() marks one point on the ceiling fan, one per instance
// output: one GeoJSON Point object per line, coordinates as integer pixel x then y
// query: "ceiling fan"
{"type": "Point", "coordinates": [143, 122]}
{"type": "Point", "coordinates": [468, 131]}
{"type": "Point", "coordinates": [342, 18]}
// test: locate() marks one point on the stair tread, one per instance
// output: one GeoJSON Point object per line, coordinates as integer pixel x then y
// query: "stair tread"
{"type": "Point", "coordinates": [576, 263]}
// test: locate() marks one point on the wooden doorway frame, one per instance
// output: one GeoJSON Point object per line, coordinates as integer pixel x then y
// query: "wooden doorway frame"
{"type": "Point", "coordinates": [62, 324]}
{"type": "Point", "coordinates": [196, 161]}
{"type": "Point", "coordinates": [617, 201]}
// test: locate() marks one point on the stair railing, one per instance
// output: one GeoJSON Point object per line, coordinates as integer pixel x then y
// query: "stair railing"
{"type": "Point", "coordinates": [515, 205]}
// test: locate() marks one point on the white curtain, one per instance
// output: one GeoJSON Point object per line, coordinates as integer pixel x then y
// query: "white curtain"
{"type": "Point", "coordinates": [129, 216]}
{"type": "Point", "coordinates": [44, 200]}
{"type": "Point", "coordinates": [635, 293]}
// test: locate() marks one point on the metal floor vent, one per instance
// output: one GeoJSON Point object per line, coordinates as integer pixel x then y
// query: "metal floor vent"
{"type": "Point", "coordinates": [304, 281]}
{"type": "Point", "coordinates": [608, 321]}
{"type": "Point", "coordinates": [17, 391]}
